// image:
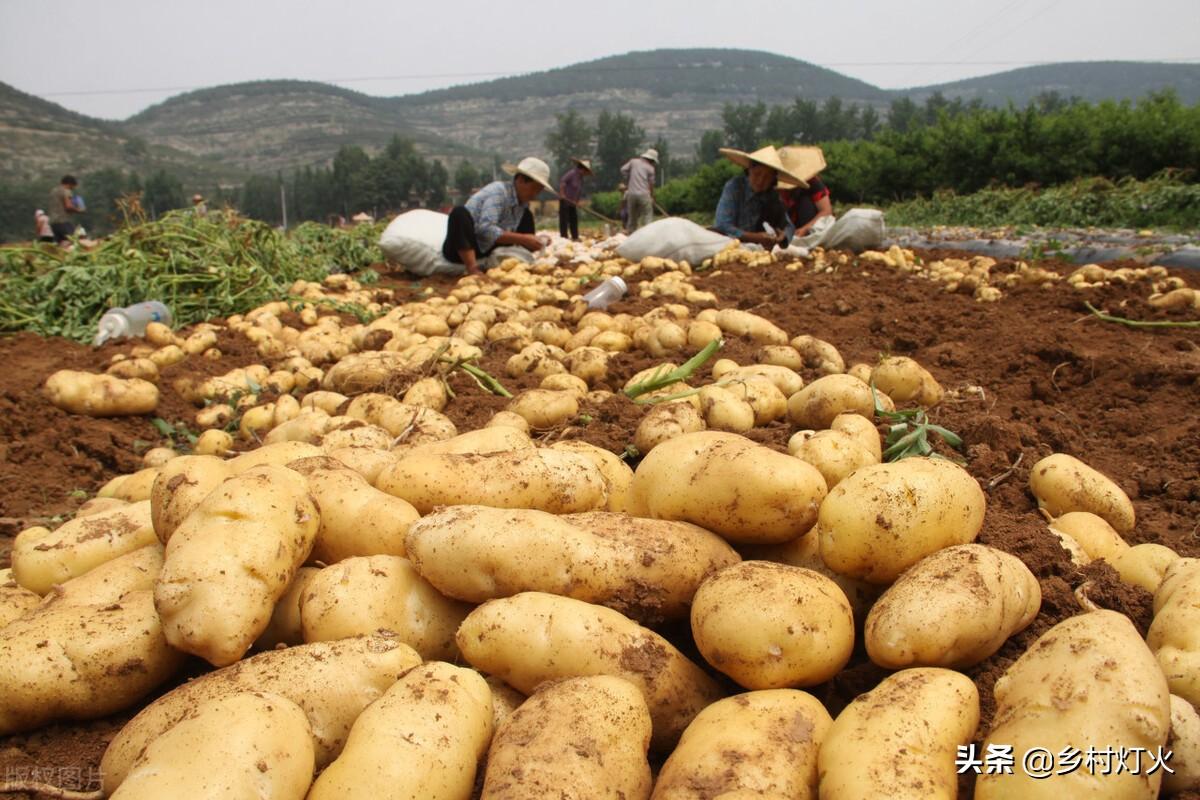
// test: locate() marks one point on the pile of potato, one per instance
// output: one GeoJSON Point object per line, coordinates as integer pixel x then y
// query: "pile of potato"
{"type": "Point", "coordinates": [395, 607]}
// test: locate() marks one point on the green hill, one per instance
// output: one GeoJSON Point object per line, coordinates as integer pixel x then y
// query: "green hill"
{"type": "Point", "coordinates": [1092, 81]}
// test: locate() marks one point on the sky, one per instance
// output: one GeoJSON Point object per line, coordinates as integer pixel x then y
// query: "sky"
{"type": "Point", "coordinates": [113, 58]}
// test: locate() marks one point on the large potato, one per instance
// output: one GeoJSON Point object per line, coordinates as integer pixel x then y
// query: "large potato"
{"type": "Point", "coordinates": [646, 569]}
{"type": "Point", "coordinates": [817, 404]}
{"type": "Point", "coordinates": [772, 626]}
{"type": "Point", "coordinates": [617, 474]}
{"type": "Point", "coordinates": [952, 609]}
{"type": "Point", "coordinates": [900, 739]}
{"type": "Point", "coordinates": [534, 637]}
{"type": "Point", "coordinates": [42, 558]}
{"type": "Point", "coordinates": [1144, 565]}
{"type": "Point", "coordinates": [549, 480]}
{"type": "Point", "coordinates": [883, 518]}
{"type": "Point", "coordinates": [1063, 483]}
{"type": "Point", "coordinates": [15, 599]}
{"type": "Point", "coordinates": [100, 395]}
{"type": "Point", "coordinates": [806, 552]}
{"type": "Point", "coordinates": [1090, 681]}
{"type": "Point", "coordinates": [863, 430]}
{"type": "Point", "coordinates": [757, 744]}
{"type": "Point", "coordinates": [1184, 744]}
{"type": "Point", "coordinates": [422, 739]}
{"type": "Point", "coordinates": [332, 681]}
{"type": "Point", "coordinates": [496, 439]}
{"type": "Point", "coordinates": [581, 737]}
{"type": "Point", "coordinates": [1175, 632]}
{"type": "Point", "coordinates": [362, 595]}
{"type": "Point", "coordinates": [243, 745]}
{"type": "Point", "coordinates": [728, 484]}
{"type": "Point", "coordinates": [664, 422]}
{"type": "Point", "coordinates": [284, 627]}
{"type": "Point", "coordinates": [408, 423]}
{"type": "Point", "coordinates": [180, 486]}
{"type": "Point", "coordinates": [835, 454]}
{"type": "Point", "coordinates": [278, 455]}
{"type": "Point", "coordinates": [232, 559]}
{"type": "Point", "coordinates": [907, 382]}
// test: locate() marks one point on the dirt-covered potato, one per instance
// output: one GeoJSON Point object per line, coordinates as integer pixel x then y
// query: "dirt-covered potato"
{"type": "Point", "coordinates": [284, 627]}
{"type": "Point", "coordinates": [664, 422]}
{"type": "Point", "coordinates": [423, 738]}
{"type": "Point", "coordinates": [819, 354]}
{"type": "Point", "coordinates": [763, 397]}
{"type": "Point", "coordinates": [42, 558]}
{"type": "Point", "coordinates": [180, 486]}
{"type": "Point", "coordinates": [728, 484]}
{"type": "Point", "coordinates": [231, 560]}
{"type": "Point", "coordinates": [835, 454]}
{"type": "Point", "coordinates": [743, 323]}
{"type": "Point", "coordinates": [1174, 635]}
{"type": "Point", "coordinates": [15, 599]}
{"type": "Point", "coordinates": [646, 569]}
{"type": "Point", "coordinates": [545, 408]}
{"type": "Point", "coordinates": [806, 552]}
{"type": "Point", "coordinates": [1184, 744]}
{"type": "Point", "coordinates": [758, 744]}
{"type": "Point", "coordinates": [142, 368]}
{"type": "Point", "coordinates": [952, 609]}
{"type": "Point", "coordinates": [332, 681]}
{"type": "Point", "coordinates": [362, 595]}
{"type": "Point", "coordinates": [787, 381]}
{"type": "Point", "coordinates": [1087, 680]}
{"type": "Point", "coordinates": [534, 637]}
{"type": "Point", "coordinates": [863, 430]}
{"type": "Point", "coordinates": [100, 395]}
{"type": "Point", "coordinates": [245, 744]}
{"type": "Point", "coordinates": [1063, 483]}
{"type": "Point", "coordinates": [280, 455]}
{"type": "Point", "coordinates": [773, 626]}
{"type": "Point", "coordinates": [213, 443]}
{"type": "Point", "coordinates": [617, 474]}
{"type": "Point", "coordinates": [907, 382]}
{"type": "Point", "coordinates": [411, 424]}
{"type": "Point", "coordinates": [581, 737]}
{"type": "Point", "coordinates": [725, 411]}
{"type": "Point", "coordinates": [1093, 534]}
{"type": "Point", "coordinates": [900, 739]}
{"type": "Point", "coordinates": [1144, 565]}
{"type": "Point", "coordinates": [883, 518]}
{"type": "Point", "coordinates": [816, 405]}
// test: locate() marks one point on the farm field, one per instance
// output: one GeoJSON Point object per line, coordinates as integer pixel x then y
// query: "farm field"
{"type": "Point", "coordinates": [1027, 373]}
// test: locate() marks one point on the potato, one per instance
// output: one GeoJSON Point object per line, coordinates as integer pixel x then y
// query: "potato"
{"type": "Point", "coordinates": [100, 395]}
{"type": "Point", "coordinates": [494, 439]}
{"type": "Point", "coordinates": [761, 394]}
{"type": "Point", "coordinates": [787, 381]}
{"type": "Point", "coordinates": [1063, 483]}
{"type": "Point", "coordinates": [1094, 535]}
{"type": "Point", "coordinates": [180, 487]}
{"type": "Point", "coordinates": [422, 739]}
{"type": "Point", "coordinates": [1144, 565]}
{"type": "Point", "coordinates": [700, 334]}
{"type": "Point", "coordinates": [1184, 744]}
{"type": "Point", "coordinates": [758, 744]}
{"type": "Point", "coordinates": [231, 560]}
{"type": "Point", "coordinates": [159, 334]}
{"type": "Point", "coordinates": [835, 454]}
{"type": "Point", "coordinates": [330, 402]}
{"type": "Point", "coordinates": [818, 354]}
{"type": "Point", "coordinates": [410, 424]}
{"type": "Point", "coordinates": [332, 681]}
{"type": "Point", "coordinates": [664, 422]}
{"type": "Point", "coordinates": [618, 476]}
{"type": "Point", "coordinates": [131, 488]}
{"type": "Point", "coordinates": [548, 480]}
{"type": "Point", "coordinates": [923, 714]}
{"type": "Point", "coordinates": [167, 355]}
{"type": "Point", "coordinates": [1090, 681]}
{"type": "Point", "coordinates": [287, 408]}
{"type": "Point", "coordinates": [952, 609]}
{"type": "Point", "coordinates": [581, 737]}
{"type": "Point", "coordinates": [646, 569]}
{"type": "Point", "coordinates": [15, 599]}
{"type": "Point", "coordinates": [354, 433]}
{"type": "Point", "coordinates": [42, 558]}
{"type": "Point", "coordinates": [279, 454]}
{"type": "Point", "coordinates": [243, 745]}
{"type": "Point", "coordinates": [545, 408]}
{"type": "Point", "coordinates": [588, 363]}
{"type": "Point", "coordinates": [256, 422]}
{"type": "Point", "coordinates": [907, 382]}
{"type": "Point", "coordinates": [213, 443]}
{"type": "Point", "coordinates": [99, 505]}
{"type": "Point", "coordinates": [107, 583]}
{"type": "Point", "coordinates": [883, 518]}
{"type": "Point", "coordinates": [366, 461]}
{"type": "Point", "coordinates": [157, 456]}
{"type": "Point", "coordinates": [199, 341]}
{"type": "Point", "coordinates": [779, 355]}
{"type": "Point", "coordinates": [564, 382]}
{"type": "Point", "coordinates": [284, 627]}
{"type": "Point", "coordinates": [816, 405]}
{"type": "Point", "coordinates": [725, 411]}
{"type": "Point", "coordinates": [863, 430]}
{"type": "Point", "coordinates": [142, 368]}
{"type": "Point", "coordinates": [1174, 635]}
{"type": "Point", "coordinates": [217, 415]}
{"type": "Point", "coordinates": [534, 637]}
{"type": "Point", "coordinates": [806, 552]}
{"type": "Point", "coordinates": [364, 594]}
{"type": "Point", "coordinates": [723, 482]}
{"type": "Point", "coordinates": [743, 323]}
{"type": "Point", "coordinates": [773, 626]}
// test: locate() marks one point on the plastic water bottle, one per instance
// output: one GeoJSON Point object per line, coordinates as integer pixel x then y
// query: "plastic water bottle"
{"type": "Point", "coordinates": [610, 291]}
{"type": "Point", "coordinates": [121, 323]}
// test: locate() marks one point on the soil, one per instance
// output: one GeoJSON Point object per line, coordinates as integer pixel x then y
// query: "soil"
{"type": "Point", "coordinates": [1029, 375]}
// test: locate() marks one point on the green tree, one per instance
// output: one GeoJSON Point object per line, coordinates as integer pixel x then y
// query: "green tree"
{"type": "Point", "coordinates": [104, 187]}
{"type": "Point", "coordinates": [260, 198]}
{"type": "Point", "coordinates": [571, 138]}
{"type": "Point", "coordinates": [437, 180]}
{"type": "Point", "coordinates": [743, 124]}
{"type": "Point", "coordinates": [707, 150]}
{"type": "Point", "coordinates": [618, 138]}
{"type": "Point", "coordinates": [904, 115]}
{"type": "Point", "coordinates": [466, 178]}
{"type": "Point", "coordinates": [349, 175]}
{"type": "Point", "coordinates": [666, 167]}
{"type": "Point", "coordinates": [163, 193]}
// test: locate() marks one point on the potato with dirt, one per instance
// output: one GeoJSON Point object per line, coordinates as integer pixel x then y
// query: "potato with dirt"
{"type": "Point", "coordinates": [618, 476]}
{"type": "Point", "coordinates": [1063, 483]}
{"type": "Point", "coordinates": [179, 488]}
{"type": "Point", "coordinates": [835, 454]}
{"type": "Point", "coordinates": [1144, 564]}
{"type": "Point", "coordinates": [646, 569]}
{"type": "Point", "coordinates": [907, 382]}
{"type": "Point", "coordinates": [533, 637]}
{"type": "Point", "coordinates": [757, 744]}
{"type": "Point", "coordinates": [581, 737]}
{"type": "Point", "coordinates": [422, 739]}
{"type": "Point", "coordinates": [664, 422]}
{"type": "Point", "coordinates": [100, 395]}
{"type": "Point", "coordinates": [817, 404]}
{"type": "Point", "coordinates": [1174, 635]}
{"type": "Point", "coordinates": [15, 599]}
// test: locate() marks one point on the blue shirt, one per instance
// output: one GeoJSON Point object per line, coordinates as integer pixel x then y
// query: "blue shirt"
{"type": "Point", "coordinates": [740, 210]}
{"type": "Point", "coordinates": [496, 210]}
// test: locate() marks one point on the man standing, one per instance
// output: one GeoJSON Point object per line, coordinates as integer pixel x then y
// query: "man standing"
{"type": "Point", "coordinates": [62, 206]}
{"type": "Point", "coordinates": [570, 192]}
{"type": "Point", "coordinates": [639, 174]}
{"type": "Point", "coordinates": [498, 214]}
{"type": "Point", "coordinates": [199, 208]}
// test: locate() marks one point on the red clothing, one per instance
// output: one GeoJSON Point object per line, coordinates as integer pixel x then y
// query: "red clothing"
{"type": "Point", "coordinates": [801, 204]}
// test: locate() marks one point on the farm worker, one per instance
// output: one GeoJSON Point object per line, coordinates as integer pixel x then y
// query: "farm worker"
{"type": "Point", "coordinates": [570, 192]}
{"type": "Point", "coordinates": [62, 206]}
{"type": "Point", "coordinates": [749, 202]}
{"type": "Point", "coordinates": [44, 232]}
{"type": "Point", "coordinates": [805, 205]}
{"type": "Point", "coordinates": [638, 174]}
{"type": "Point", "coordinates": [198, 206]}
{"type": "Point", "coordinates": [498, 214]}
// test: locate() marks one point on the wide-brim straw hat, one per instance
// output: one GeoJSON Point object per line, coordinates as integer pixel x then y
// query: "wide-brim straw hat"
{"type": "Point", "coordinates": [584, 163]}
{"type": "Point", "coordinates": [533, 168]}
{"type": "Point", "coordinates": [650, 155]}
{"type": "Point", "coordinates": [768, 157]}
{"type": "Point", "coordinates": [197, 198]}
{"type": "Point", "coordinates": [803, 162]}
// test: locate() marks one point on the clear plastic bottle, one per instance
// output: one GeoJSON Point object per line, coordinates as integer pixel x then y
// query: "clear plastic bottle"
{"type": "Point", "coordinates": [120, 323]}
{"type": "Point", "coordinates": [610, 291]}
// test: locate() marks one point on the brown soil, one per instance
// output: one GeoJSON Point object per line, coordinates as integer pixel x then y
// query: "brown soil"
{"type": "Point", "coordinates": [1054, 379]}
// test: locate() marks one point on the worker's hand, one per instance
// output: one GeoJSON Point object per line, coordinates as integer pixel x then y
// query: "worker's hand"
{"type": "Point", "coordinates": [765, 239]}
{"type": "Point", "coordinates": [530, 242]}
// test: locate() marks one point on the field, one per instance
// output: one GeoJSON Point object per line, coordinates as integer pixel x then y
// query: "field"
{"type": "Point", "coordinates": [1030, 374]}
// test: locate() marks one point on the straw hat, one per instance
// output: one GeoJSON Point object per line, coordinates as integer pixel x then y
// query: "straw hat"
{"type": "Point", "coordinates": [767, 156]}
{"type": "Point", "coordinates": [197, 198]}
{"type": "Point", "coordinates": [650, 155]}
{"type": "Point", "coordinates": [533, 168]}
{"type": "Point", "coordinates": [583, 162]}
{"type": "Point", "coordinates": [804, 162]}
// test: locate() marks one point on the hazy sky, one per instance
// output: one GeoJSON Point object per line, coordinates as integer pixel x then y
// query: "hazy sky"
{"type": "Point", "coordinates": [112, 58]}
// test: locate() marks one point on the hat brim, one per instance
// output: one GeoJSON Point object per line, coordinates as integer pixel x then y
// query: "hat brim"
{"type": "Point", "coordinates": [513, 169]}
{"type": "Point", "coordinates": [744, 160]}
{"type": "Point", "coordinates": [579, 162]}
{"type": "Point", "coordinates": [803, 161]}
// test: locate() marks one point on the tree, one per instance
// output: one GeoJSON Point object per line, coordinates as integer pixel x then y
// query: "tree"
{"type": "Point", "coordinates": [436, 180]}
{"type": "Point", "coordinates": [163, 192]}
{"type": "Point", "coordinates": [260, 198]}
{"type": "Point", "coordinates": [466, 178]}
{"type": "Point", "coordinates": [904, 115]}
{"type": "Point", "coordinates": [103, 188]}
{"type": "Point", "coordinates": [618, 138]}
{"type": "Point", "coordinates": [743, 124]}
{"type": "Point", "coordinates": [707, 150]}
{"type": "Point", "coordinates": [571, 138]}
{"type": "Point", "coordinates": [349, 173]}
{"type": "Point", "coordinates": [665, 167]}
